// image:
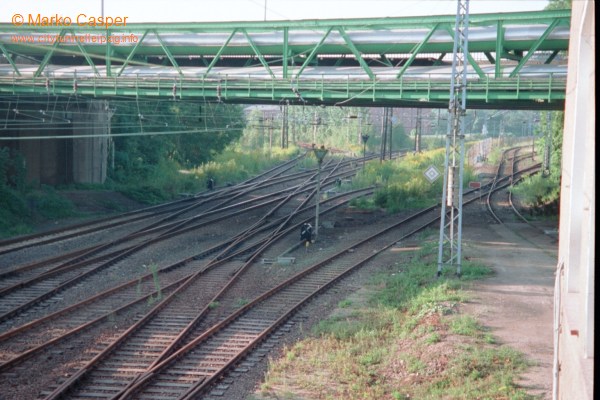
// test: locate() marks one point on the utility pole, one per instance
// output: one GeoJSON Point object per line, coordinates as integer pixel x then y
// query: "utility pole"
{"type": "Point", "coordinates": [364, 140]}
{"type": "Point", "coordinates": [390, 114]}
{"type": "Point", "coordinates": [450, 240]}
{"type": "Point", "coordinates": [261, 124]}
{"type": "Point", "coordinates": [320, 155]}
{"type": "Point", "coordinates": [383, 134]}
{"type": "Point", "coordinates": [418, 132]}
{"type": "Point", "coordinates": [265, 16]}
{"type": "Point", "coordinates": [359, 127]}
{"type": "Point", "coordinates": [316, 123]}
{"type": "Point", "coordinates": [284, 127]}
{"type": "Point", "coordinates": [548, 145]}
{"type": "Point", "coordinates": [270, 119]}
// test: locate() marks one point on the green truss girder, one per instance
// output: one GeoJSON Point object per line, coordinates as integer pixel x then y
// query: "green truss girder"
{"type": "Point", "coordinates": [168, 52]}
{"type": "Point", "coordinates": [108, 58]}
{"type": "Point", "coordinates": [484, 93]}
{"type": "Point", "coordinates": [426, 22]}
{"type": "Point", "coordinates": [355, 52]}
{"type": "Point", "coordinates": [295, 56]}
{"type": "Point", "coordinates": [258, 53]}
{"type": "Point", "coordinates": [218, 55]}
{"type": "Point", "coordinates": [8, 56]}
{"type": "Point", "coordinates": [313, 52]}
{"type": "Point", "coordinates": [499, 49]}
{"type": "Point", "coordinates": [534, 47]}
{"type": "Point", "coordinates": [470, 58]}
{"type": "Point", "coordinates": [132, 53]}
{"type": "Point", "coordinates": [87, 57]}
{"type": "Point", "coordinates": [48, 55]}
{"type": "Point", "coordinates": [416, 50]}
{"type": "Point", "coordinates": [285, 53]}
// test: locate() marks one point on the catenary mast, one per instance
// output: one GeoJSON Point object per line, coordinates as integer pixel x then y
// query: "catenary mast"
{"type": "Point", "coordinates": [449, 251]}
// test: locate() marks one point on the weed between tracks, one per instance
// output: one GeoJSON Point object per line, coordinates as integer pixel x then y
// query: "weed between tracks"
{"type": "Point", "coordinates": [153, 299]}
{"type": "Point", "coordinates": [404, 339]}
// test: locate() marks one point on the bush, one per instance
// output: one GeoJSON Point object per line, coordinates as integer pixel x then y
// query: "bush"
{"type": "Point", "coordinates": [540, 193]}
{"type": "Point", "coordinates": [48, 204]}
{"type": "Point", "coordinates": [14, 214]}
{"type": "Point", "coordinates": [402, 182]}
{"type": "Point", "coordinates": [235, 165]}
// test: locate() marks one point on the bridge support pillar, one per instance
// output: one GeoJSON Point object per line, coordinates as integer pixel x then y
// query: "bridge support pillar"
{"type": "Point", "coordinates": [90, 155]}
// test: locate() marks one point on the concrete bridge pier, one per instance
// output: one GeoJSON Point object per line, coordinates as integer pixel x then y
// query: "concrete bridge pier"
{"type": "Point", "coordinates": [90, 155]}
{"type": "Point", "coordinates": [42, 135]}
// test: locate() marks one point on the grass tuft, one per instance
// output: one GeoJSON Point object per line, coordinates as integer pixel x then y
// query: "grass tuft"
{"type": "Point", "coordinates": [408, 341]}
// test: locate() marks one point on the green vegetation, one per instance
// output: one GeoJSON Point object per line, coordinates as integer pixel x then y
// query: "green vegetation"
{"type": "Point", "coordinates": [541, 192]}
{"type": "Point", "coordinates": [224, 144]}
{"type": "Point", "coordinates": [407, 341]}
{"type": "Point", "coordinates": [559, 4]}
{"type": "Point", "coordinates": [402, 183]}
{"type": "Point", "coordinates": [333, 127]}
{"type": "Point", "coordinates": [239, 303]}
{"type": "Point", "coordinates": [236, 164]}
{"type": "Point", "coordinates": [149, 168]}
{"type": "Point", "coordinates": [169, 179]}
{"type": "Point", "coordinates": [20, 204]}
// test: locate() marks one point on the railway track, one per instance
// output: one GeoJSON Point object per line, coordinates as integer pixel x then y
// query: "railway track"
{"type": "Point", "coordinates": [173, 209]}
{"type": "Point", "coordinates": [131, 290]}
{"type": "Point", "coordinates": [30, 273]}
{"type": "Point", "coordinates": [23, 294]}
{"type": "Point", "coordinates": [170, 324]}
{"type": "Point", "coordinates": [139, 315]}
{"type": "Point", "coordinates": [222, 351]}
{"type": "Point", "coordinates": [503, 210]}
{"type": "Point", "coordinates": [20, 293]}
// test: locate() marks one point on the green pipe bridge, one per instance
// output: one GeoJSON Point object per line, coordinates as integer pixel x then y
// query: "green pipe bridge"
{"type": "Point", "coordinates": [516, 60]}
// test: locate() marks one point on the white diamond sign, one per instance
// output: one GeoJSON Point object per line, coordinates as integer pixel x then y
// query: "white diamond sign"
{"type": "Point", "coordinates": [432, 174]}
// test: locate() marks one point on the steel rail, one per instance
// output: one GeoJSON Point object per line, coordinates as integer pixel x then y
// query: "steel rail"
{"type": "Point", "coordinates": [63, 234]}
{"type": "Point", "coordinates": [514, 208]}
{"type": "Point", "coordinates": [136, 298]}
{"type": "Point", "coordinates": [230, 215]}
{"type": "Point", "coordinates": [114, 257]}
{"type": "Point", "coordinates": [212, 263]}
{"type": "Point", "coordinates": [174, 229]}
{"type": "Point", "coordinates": [77, 257]}
{"type": "Point", "coordinates": [105, 295]}
{"type": "Point", "coordinates": [515, 158]}
{"type": "Point", "coordinates": [135, 386]}
{"type": "Point", "coordinates": [495, 180]}
{"type": "Point", "coordinates": [76, 230]}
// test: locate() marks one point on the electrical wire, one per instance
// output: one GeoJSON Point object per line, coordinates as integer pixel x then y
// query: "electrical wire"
{"type": "Point", "coordinates": [34, 115]}
{"type": "Point", "coordinates": [103, 135]}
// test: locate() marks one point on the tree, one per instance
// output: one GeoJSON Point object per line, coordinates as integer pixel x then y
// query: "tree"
{"type": "Point", "coordinates": [559, 5]}
{"type": "Point", "coordinates": [211, 128]}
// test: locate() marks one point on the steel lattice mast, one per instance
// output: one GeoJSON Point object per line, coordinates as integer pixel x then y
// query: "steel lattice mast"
{"type": "Point", "coordinates": [449, 252]}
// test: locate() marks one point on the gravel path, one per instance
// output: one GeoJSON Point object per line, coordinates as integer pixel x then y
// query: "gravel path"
{"type": "Point", "coordinates": [517, 301]}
